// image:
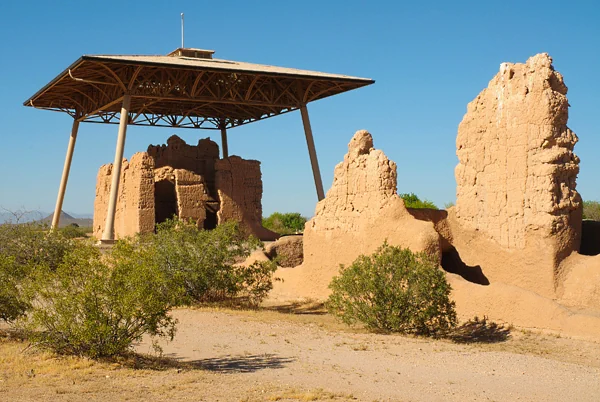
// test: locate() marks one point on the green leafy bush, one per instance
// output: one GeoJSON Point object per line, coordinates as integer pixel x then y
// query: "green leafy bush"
{"type": "Point", "coordinates": [24, 248]}
{"type": "Point", "coordinates": [73, 232]}
{"type": "Point", "coordinates": [97, 306]}
{"type": "Point", "coordinates": [13, 304]}
{"type": "Point", "coordinates": [411, 200]}
{"type": "Point", "coordinates": [204, 264]}
{"type": "Point", "coordinates": [394, 290]}
{"type": "Point", "coordinates": [591, 210]}
{"type": "Point", "coordinates": [32, 244]}
{"type": "Point", "coordinates": [285, 223]}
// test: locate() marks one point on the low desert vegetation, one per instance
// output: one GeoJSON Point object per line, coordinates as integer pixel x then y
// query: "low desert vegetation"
{"type": "Point", "coordinates": [74, 232]}
{"type": "Point", "coordinates": [285, 223]}
{"type": "Point", "coordinates": [411, 200]}
{"type": "Point", "coordinates": [394, 290]}
{"type": "Point", "coordinates": [206, 264]}
{"type": "Point", "coordinates": [591, 210]}
{"type": "Point", "coordinates": [70, 298]}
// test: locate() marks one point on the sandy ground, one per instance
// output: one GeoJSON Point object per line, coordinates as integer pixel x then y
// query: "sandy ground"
{"type": "Point", "coordinates": [227, 355]}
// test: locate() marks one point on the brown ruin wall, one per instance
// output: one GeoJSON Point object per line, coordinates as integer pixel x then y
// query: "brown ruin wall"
{"type": "Point", "coordinates": [198, 178]}
{"type": "Point", "coordinates": [517, 172]}
{"type": "Point", "coordinates": [135, 200]}
{"type": "Point", "coordinates": [360, 212]}
{"type": "Point", "coordinates": [239, 188]}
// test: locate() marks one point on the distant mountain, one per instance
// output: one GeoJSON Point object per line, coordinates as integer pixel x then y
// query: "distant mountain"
{"type": "Point", "coordinates": [66, 220]}
{"type": "Point", "coordinates": [19, 216]}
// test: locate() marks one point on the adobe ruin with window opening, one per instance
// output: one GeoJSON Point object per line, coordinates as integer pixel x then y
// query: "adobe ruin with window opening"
{"type": "Point", "coordinates": [185, 181]}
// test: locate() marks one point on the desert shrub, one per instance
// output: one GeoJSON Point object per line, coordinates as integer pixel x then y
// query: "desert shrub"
{"type": "Point", "coordinates": [411, 200]}
{"type": "Point", "coordinates": [97, 306]}
{"type": "Point", "coordinates": [73, 232]}
{"type": "Point", "coordinates": [24, 248]}
{"type": "Point", "coordinates": [591, 210]}
{"type": "Point", "coordinates": [285, 223]}
{"type": "Point", "coordinates": [204, 263]}
{"type": "Point", "coordinates": [394, 290]}
{"type": "Point", "coordinates": [33, 244]}
{"type": "Point", "coordinates": [13, 302]}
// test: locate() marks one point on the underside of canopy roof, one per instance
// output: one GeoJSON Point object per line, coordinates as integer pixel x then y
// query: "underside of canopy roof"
{"type": "Point", "coordinates": [187, 89]}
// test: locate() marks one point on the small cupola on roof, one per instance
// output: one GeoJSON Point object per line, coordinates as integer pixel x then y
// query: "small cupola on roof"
{"type": "Point", "coordinates": [191, 52]}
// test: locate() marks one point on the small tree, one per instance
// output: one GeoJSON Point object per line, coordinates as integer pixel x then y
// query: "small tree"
{"type": "Point", "coordinates": [97, 306]}
{"type": "Point", "coordinates": [394, 290]}
{"type": "Point", "coordinates": [411, 200]}
{"type": "Point", "coordinates": [591, 210]}
{"type": "Point", "coordinates": [284, 223]}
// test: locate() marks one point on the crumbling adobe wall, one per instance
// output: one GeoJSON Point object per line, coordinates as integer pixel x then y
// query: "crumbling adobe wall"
{"type": "Point", "coordinates": [239, 189]}
{"type": "Point", "coordinates": [182, 180]}
{"type": "Point", "coordinates": [192, 196]}
{"type": "Point", "coordinates": [517, 172]}
{"type": "Point", "coordinates": [361, 211]}
{"type": "Point", "coordinates": [135, 202]}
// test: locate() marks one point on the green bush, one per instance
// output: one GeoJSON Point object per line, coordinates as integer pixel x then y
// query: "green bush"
{"type": "Point", "coordinates": [23, 249]}
{"type": "Point", "coordinates": [411, 200]}
{"type": "Point", "coordinates": [97, 306]}
{"type": "Point", "coordinates": [33, 244]}
{"type": "Point", "coordinates": [591, 210]}
{"type": "Point", "coordinates": [204, 264]}
{"type": "Point", "coordinates": [285, 223]}
{"type": "Point", "coordinates": [13, 304]}
{"type": "Point", "coordinates": [394, 290]}
{"type": "Point", "coordinates": [73, 232]}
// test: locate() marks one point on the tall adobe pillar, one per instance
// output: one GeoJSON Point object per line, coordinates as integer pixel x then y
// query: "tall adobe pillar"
{"type": "Point", "coordinates": [517, 172]}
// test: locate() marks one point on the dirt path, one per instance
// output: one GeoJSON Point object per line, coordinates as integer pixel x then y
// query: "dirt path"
{"type": "Point", "coordinates": [310, 352]}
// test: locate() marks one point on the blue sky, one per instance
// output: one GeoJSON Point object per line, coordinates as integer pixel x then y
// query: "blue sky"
{"type": "Point", "coordinates": [429, 59]}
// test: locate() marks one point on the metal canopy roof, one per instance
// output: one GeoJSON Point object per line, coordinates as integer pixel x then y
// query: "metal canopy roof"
{"type": "Point", "coordinates": [187, 89]}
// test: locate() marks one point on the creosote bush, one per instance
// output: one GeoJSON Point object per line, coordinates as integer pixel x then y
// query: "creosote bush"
{"type": "Point", "coordinates": [205, 264]}
{"type": "Point", "coordinates": [411, 200]}
{"type": "Point", "coordinates": [285, 223]}
{"type": "Point", "coordinates": [23, 248]}
{"type": "Point", "coordinates": [591, 210]}
{"type": "Point", "coordinates": [394, 290]}
{"type": "Point", "coordinates": [97, 306]}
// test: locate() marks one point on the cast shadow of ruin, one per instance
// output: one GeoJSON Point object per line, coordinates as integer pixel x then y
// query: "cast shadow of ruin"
{"type": "Point", "coordinates": [224, 364]}
{"type": "Point", "coordinates": [451, 260]}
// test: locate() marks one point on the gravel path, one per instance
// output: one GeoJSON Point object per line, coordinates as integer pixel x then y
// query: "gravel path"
{"type": "Point", "coordinates": [258, 349]}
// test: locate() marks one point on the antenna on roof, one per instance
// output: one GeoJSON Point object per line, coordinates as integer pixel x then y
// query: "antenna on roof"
{"type": "Point", "coordinates": [182, 31]}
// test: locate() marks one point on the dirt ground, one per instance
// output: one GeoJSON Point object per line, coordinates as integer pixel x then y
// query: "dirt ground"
{"type": "Point", "coordinates": [292, 353]}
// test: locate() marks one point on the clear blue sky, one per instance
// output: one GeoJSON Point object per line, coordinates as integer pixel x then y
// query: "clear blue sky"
{"type": "Point", "coordinates": [429, 60]}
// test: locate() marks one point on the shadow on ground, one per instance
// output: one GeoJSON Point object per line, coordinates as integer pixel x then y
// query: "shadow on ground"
{"type": "Point", "coordinates": [480, 331]}
{"type": "Point", "coordinates": [242, 364]}
{"type": "Point", "coordinates": [314, 308]}
{"type": "Point", "coordinates": [225, 364]}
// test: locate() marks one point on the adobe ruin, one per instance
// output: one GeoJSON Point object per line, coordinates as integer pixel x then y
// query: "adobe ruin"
{"type": "Point", "coordinates": [186, 181]}
{"type": "Point", "coordinates": [516, 177]}
{"type": "Point", "coordinates": [510, 246]}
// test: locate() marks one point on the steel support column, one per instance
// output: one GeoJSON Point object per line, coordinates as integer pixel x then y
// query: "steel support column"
{"type": "Point", "coordinates": [65, 175]}
{"type": "Point", "coordinates": [224, 143]}
{"type": "Point", "coordinates": [312, 152]}
{"type": "Point", "coordinates": [109, 227]}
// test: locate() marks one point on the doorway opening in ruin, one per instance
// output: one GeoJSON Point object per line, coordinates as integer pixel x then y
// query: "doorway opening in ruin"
{"type": "Point", "coordinates": [165, 201]}
{"type": "Point", "coordinates": [210, 222]}
{"type": "Point", "coordinates": [590, 238]}
{"type": "Point", "coordinates": [451, 262]}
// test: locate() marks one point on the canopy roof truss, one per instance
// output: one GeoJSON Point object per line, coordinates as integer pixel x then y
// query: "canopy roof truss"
{"type": "Point", "coordinates": [171, 91]}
